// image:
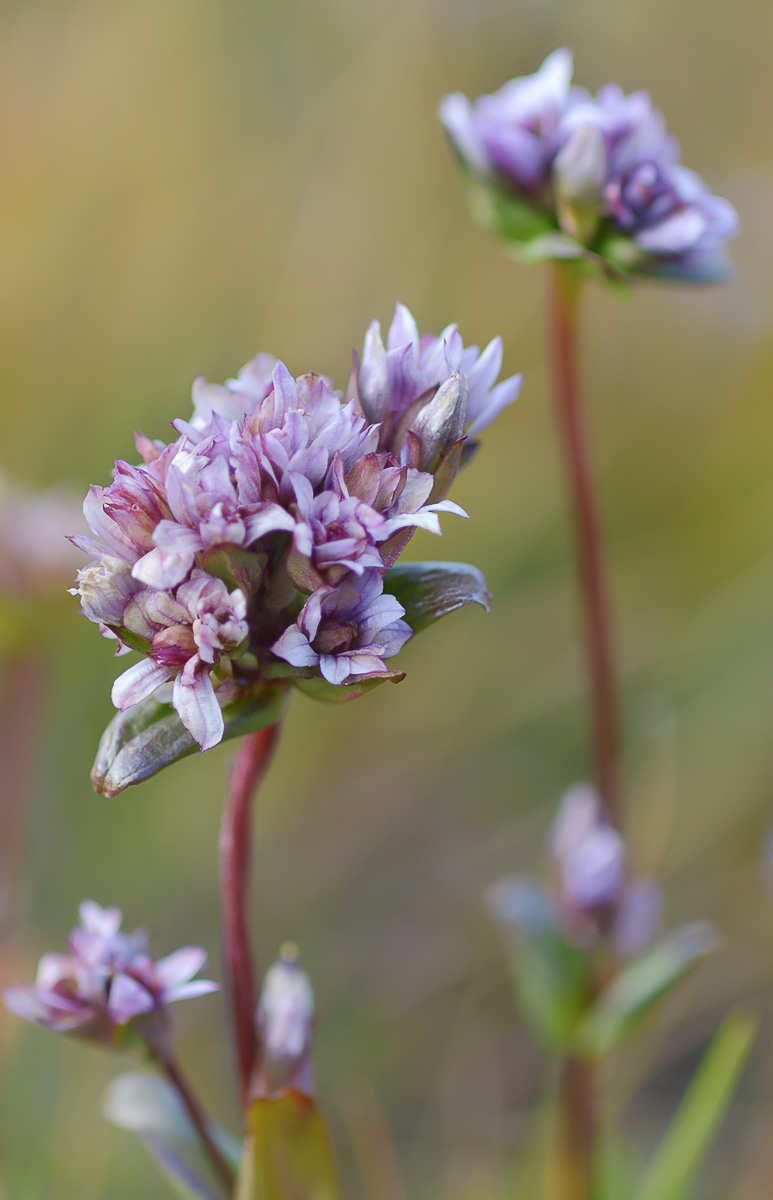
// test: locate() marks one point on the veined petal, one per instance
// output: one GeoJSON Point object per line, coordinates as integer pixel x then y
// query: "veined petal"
{"type": "Point", "coordinates": [160, 570]}
{"type": "Point", "coordinates": [180, 966]}
{"type": "Point", "coordinates": [294, 648]}
{"type": "Point", "coordinates": [195, 702]}
{"type": "Point", "coordinates": [139, 682]}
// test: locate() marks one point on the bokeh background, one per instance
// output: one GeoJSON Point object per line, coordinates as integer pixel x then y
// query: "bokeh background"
{"type": "Point", "coordinates": [187, 182]}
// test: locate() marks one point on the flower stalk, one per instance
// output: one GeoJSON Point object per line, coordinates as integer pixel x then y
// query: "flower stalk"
{"type": "Point", "coordinates": [577, 1127]}
{"type": "Point", "coordinates": [563, 303]}
{"type": "Point", "coordinates": [250, 767]}
{"type": "Point", "coordinates": [190, 1103]}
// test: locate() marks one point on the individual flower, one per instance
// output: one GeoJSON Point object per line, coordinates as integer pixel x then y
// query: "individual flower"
{"type": "Point", "coordinates": [107, 982]}
{"type": "Point", "coordinates": [255, 547]}
{"type": "Point", "coordinates": [35, 554]}
{"type": "Point", "coordinates": [284, 1024]}
{"type": "Point", "coordinates": [596, 176]}
{"type": "Point", "coordinates": [594, 893]}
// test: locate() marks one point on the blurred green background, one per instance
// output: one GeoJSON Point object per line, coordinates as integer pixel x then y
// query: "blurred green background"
{"type": "Point", "coordinates": [185, 183]}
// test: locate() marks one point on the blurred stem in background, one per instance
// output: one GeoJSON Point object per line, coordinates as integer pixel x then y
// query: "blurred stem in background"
{"type": "Point", "coordinates": [577, 1118]}
{"type": "Point", "coordinates": [252, 762]}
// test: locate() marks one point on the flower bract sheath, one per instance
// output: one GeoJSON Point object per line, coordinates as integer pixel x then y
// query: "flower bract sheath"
{"type": "Point", "coordinates": [561, 173]}
{"type": "Point", "coordinates": [255, 546]}
{"type": "Point", "coordinates": [107, 982]}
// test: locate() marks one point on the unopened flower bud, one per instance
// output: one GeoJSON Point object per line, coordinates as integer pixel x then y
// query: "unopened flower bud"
{"type": "Point", "coordinates": [579, 175]}
{"type": "Point", "coordinates": [284, 1024]}
{"type": "Point", "coordinates": [440, 423]}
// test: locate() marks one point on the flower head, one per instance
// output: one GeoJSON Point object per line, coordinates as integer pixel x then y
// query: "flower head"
{"type": "Point", "coordinates": [601, 171]}
{"type": "Point", "coordinates": [107, 982]}
{"type": "Point", "coordinates": [255, 546]}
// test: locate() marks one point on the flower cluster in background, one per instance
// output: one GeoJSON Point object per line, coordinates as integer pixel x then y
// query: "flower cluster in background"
{"type": "Point", "coordinates": [107, 981]}
{"type": "Point", "coordinates": [255, 545]}
{"type": "Point", "coordinates": [603, 168]}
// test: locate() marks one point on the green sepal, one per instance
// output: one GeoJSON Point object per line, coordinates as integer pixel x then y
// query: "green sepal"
{"type": "Point", "coordinates": [551, 977]}
{"type": "Point", "coordinates": [431, 590]}
{"type": "Point", "coordinates": [289, 1154]}
{"type": "Point", "coordinates": [150, 736]}
{"type": "Point", "coordinates": [700, 1113]}
{"type": "Point", "coordinates": [506, 215]}
{"type": "Point", "coordinates": [149, 1107]}
{"type": "Point", "coordinates": [640, 984]}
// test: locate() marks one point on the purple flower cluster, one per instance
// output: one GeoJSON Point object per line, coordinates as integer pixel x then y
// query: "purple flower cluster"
{"type": "Point", "coordinates": [107, 981]}
{"type": "Point", "coordinates": [255, 545]}
{"type": "Point", "coordinates": [595, 894]}
{"type": "Point", "coordinates": [597, 164]}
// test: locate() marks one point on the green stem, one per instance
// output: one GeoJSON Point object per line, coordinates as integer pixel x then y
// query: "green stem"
{"type": "Point", "coordinates": [190, 1103]}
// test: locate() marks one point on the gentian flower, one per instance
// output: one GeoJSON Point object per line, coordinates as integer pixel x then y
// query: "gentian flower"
{"type": "Point", "coordinates": [108, 982]}
{"type": "Point", "coordinates": [562, 173]}
{"type": "Point", "coordinates": [255, 547]}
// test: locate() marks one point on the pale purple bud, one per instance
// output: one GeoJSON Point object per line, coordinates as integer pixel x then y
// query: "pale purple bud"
{"type": "Point", "coordinates": [579, 174]}
{"type": "Point", "coordinates": [284, 1022]}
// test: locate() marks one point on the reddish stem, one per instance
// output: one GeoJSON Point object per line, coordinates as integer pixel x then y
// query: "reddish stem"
{"type": "Point", "coordinates": [249, 769]}
{"type": "Point", "coordinates": [199, 1121]}
{"type": "Point", "coordinates": [562, 323]}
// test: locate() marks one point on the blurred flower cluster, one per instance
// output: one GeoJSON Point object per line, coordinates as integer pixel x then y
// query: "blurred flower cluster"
{"type": "Point", "coordinates": [107, 982]}
{"type": "Point", "coordinates": [602, 170]}
{"type": "Point", "coordinates": [254, 547]}
{"type": "Point", "coordinates": [35, 555]}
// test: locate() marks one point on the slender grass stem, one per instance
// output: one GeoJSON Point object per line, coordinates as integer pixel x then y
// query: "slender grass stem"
{"type": "Point", "coordinates": [251, 764]}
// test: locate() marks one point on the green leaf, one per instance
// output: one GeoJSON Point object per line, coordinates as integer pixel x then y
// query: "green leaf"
{"type": "Point", "coordinates": [149, 1107]}
{"type": "Point", "coordinates": [150, 736]}
{"type": "Point", "coordinates": [701, 1111]}
{"type": "Point", "coordinates": [551, 977]}
{"type": "Point", "coordinates": [289, 1154]}
{"type": "Point", "coordinates": [504, 214]}
{"type": "Point", "coordinates": [313, 685]}
{"type": "Point", "coordinates": [640, 984]}
{"type": "Point", "coordinates": [430, 590]}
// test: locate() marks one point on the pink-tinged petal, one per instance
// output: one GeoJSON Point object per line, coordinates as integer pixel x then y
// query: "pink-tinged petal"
{"type": "Point", "coordinates": [180, 966]}
{"type": "Point", "coordinates": [52, 969]}
{"type": "Point", "coordinates": [676, 234]}
{"type": "Point", "coordinates": [160, 570]}
{"type": "Point", "coordinates": [176, 539]}
{"type": "Point", "coordinates": [294, 648]}
{"type": "Point", "coordinates": [335, 668]}
{"type": "Point", "coordinates": [285, 389]}
{"type": "Point", "coordinates": [458, 116]}
{"type": "Point", "coordinates": [403, 330]}
{"type": "Point", "coordinates": [271, 518]}
{"type": "Point", "coordinates": [128, 999]}
{"type": "Point", "coordinates": [447, 506]}
{"type": "Point", "coordinates": [196, 704]}
{"type": "Point", "coordinates": [363, 662]}
{"type": "Point", "coordinates": [189, 991]}
{"type": "Point", "coordinates": [139, 682]}
{"type": "Point", "coordinates": [500, 397]}
{"type": "Point", "coordinates": [373, 377]}
{"type": "Point", "coordinates": [103, 921]}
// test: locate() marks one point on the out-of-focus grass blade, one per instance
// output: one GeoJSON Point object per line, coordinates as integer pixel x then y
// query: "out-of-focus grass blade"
{"type": "Point", "coordinates": [701, 1111]}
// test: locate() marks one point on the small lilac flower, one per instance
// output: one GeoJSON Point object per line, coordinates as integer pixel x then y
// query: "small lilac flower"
{"type": "Point", "coordinates": [284, 1023]}
{"type": "Point", "coordinates": [107, 981]}
{"type": "Point", "coordinates": [256, 544]}
{"type": "Point", "coordinates": [346, 631]}
{"type": "Point", "coordinates": [601, 169]}
{"type": "Point", "coordinates": [594, 891]}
